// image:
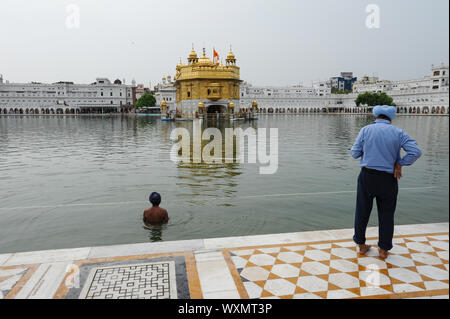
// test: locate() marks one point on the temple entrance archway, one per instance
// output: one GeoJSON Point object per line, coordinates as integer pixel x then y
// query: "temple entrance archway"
{"type": "Point", "coordinates": [215, 108]}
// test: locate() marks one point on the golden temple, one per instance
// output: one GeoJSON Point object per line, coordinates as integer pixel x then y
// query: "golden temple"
{"type": "Point", "coordinates": [207, 86]}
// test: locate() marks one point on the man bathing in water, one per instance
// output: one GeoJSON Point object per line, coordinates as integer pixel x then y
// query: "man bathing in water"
{"type": "Point", "coordinates": [155, 214]}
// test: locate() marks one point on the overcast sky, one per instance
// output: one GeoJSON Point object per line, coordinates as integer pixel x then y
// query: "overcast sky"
{"type": "Point", "coordinates": [276, 42]}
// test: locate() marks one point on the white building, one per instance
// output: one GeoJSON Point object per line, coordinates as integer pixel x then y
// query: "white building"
{"type": "Point", "coordinates": [371, 84]}
{"type": "Point", "coordinates": [166, 90]}
{"type": "Point", "coordinates": [322, 88]}
{"type": "Point", "coordinates": [293, 99]}
{"type": "Point", "coordinates": [102, 96]}
{"type": "Point", "coordinates": [318, 89]}
{"type": "Point", "coordinates": [428, 95]}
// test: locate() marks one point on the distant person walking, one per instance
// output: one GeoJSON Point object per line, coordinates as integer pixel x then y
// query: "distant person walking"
{"type": "Point", "coordinates": [155, 214]}
{"type": "Point", "coordinates": [379, 146]}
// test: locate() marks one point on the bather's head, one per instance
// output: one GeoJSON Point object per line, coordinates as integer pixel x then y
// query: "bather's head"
{"type": "Point", "coordinates": [155, 199]}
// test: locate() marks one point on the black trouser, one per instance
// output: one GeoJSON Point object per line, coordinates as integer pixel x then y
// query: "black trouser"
{"type": "Point", "coordinates": [384, 187]}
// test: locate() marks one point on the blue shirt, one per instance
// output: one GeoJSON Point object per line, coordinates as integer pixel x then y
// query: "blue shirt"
{"type": "Point", "coordinates": [379, 146]}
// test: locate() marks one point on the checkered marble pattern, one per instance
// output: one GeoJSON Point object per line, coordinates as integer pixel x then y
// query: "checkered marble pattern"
{"type": "Point", "coordinates": [416, 266]}
{"type": "Point", "coordinates": [9, 277]}
{"type": "Point", "coordinates": [154, 280]}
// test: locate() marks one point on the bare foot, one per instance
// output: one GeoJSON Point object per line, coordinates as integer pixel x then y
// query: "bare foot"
{"type": "Point", "coordinates": [363, 249]}
{"type": "Point", "coordinates": [383, 253]}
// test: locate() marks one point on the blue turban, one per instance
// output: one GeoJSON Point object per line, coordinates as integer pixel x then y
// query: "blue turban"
{"type": "Point", "coordinates": [387, 110]}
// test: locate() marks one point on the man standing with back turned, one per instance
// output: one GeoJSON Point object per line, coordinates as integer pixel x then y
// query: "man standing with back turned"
{"type": "Point", "coordinates": [379, 146]}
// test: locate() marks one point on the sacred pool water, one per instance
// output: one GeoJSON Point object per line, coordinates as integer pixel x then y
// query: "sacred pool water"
{"type": "Point", "coordinates": [84, 181]}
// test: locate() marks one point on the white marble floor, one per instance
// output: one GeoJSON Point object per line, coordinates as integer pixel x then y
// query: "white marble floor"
{"type": "Point", "coordinates": [265, 266]}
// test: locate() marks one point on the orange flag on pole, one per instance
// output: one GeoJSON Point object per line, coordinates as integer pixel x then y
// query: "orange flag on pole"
{"type": "Point", "coordinates": [215, 55]}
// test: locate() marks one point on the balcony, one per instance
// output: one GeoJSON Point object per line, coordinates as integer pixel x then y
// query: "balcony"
{"type": "Point", "coordinates": [214, 92]}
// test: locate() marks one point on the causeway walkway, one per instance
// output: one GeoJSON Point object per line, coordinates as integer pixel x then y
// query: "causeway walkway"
{"type": "Point", "coordinates": [316, 264]}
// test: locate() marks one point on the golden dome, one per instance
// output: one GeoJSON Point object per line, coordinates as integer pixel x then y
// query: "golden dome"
{"type": "Point", "coordinates": [193, 55]}
{"type": "Point", "coordinates": [254, 103]}
{"type": "Point", "coordinates": [231, 104]}
{"type": "Point", "coordinates": [201, 105]}
{"type": "Point", "coordinates": [179, 65]}
{"type": "Point", "coordinates": [163, 103]}
{"type": "Point", "coordinates": [205, 61]}
{"type": "Point", "coordinates": [230, 56]}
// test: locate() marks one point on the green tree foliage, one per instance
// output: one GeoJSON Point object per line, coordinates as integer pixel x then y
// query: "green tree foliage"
{"type": "Point", "coordinates": [373, 99]}
{"type": "Point", "coordinates": [146, 100]}
{"type": "Point", "coordinates": [336, 91]}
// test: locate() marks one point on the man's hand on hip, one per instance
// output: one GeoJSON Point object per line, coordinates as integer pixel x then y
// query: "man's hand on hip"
{"type": "Point", "coordinates": [398, 171]}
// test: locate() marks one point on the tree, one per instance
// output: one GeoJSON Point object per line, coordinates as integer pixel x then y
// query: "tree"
{"type": "Point", "coordinates": [372, 99]}
{"type": "Point", "coordinates": [336, 91]}
{"type": "Point", "coordinates": [146, 99]}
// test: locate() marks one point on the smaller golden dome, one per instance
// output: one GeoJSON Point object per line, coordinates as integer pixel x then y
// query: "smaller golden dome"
{"type": "Point", "coordinates": [193, 54]}
{"type": "Point", "coordinates": [230, 56]}
{"type": "Point", "coordinates": [231, 104]}
{"type": "Point", "coordinates": [163, 103]}
{"type": "Point", "coordinates": [201, 105]}
{"type": "Point", "coordinates": [254, 103]}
